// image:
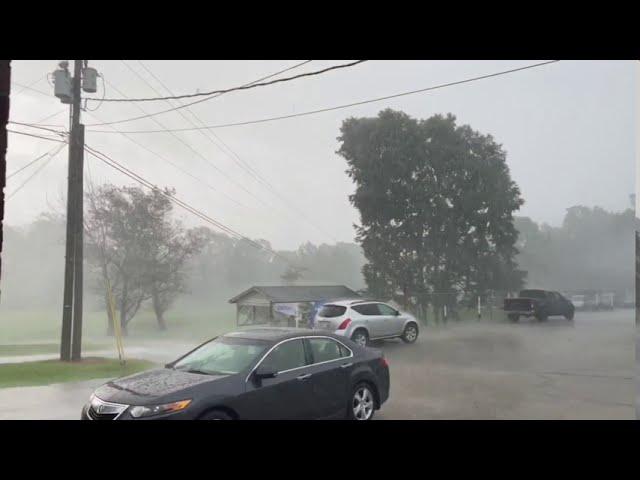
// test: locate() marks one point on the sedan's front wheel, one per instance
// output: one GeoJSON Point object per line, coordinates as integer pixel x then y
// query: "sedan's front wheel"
{"type": "Point", "coordinates": [216, 415]}
{"type": "Point", "coordinates": [362, 403]}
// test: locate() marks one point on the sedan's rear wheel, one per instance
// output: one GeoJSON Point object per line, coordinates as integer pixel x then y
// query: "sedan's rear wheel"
{"type": "Point", "coordinates": [362, 403]}
{"type": "Point", "coordinates": [410, 333]}
{"type": "Point", "coordinates": [360, 337]}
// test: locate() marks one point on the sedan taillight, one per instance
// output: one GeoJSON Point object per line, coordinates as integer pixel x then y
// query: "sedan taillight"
{"type": "Point", "coordinates": [384, 362]}
{"type": "Point", "coordinates": [344, 324]}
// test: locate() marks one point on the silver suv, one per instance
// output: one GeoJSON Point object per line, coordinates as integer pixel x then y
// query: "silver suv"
{"type": "Point", "coordinates": [363, 321]}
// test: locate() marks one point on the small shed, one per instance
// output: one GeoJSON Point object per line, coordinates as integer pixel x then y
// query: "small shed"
{"type": "Point", "coordinates": [286, 305]}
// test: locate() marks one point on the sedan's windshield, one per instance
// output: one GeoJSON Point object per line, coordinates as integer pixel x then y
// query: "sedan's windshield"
{"type": "Point", "coordinates": [225, 356]}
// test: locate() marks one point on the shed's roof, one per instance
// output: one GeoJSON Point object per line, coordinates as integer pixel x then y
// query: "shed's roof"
{"type": "Point", "coordinates": [299, 293]}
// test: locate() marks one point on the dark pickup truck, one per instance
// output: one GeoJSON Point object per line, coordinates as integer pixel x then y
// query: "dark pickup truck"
{"type": "Point", "coordinates": [540, 304]}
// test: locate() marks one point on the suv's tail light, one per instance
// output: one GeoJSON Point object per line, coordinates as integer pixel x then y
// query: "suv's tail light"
{"type": "Point", "coordinates": [384, 362]}
{"type": "Point", "coordinates": [344, 324]}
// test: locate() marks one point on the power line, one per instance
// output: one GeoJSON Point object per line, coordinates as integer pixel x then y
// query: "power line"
{"type": "Point", "coordinates": [173, 164]}
{"type": "Point", "coordinates": [235, 157]}
{"type": "Point", "coordinates": [48, 117]}
{"type": "Point", "coordinates": [190, 147]}
{"type": "Point", "coordinates": [244, 165]}
{"type": "Point", "coordinates": [39, 123]}
{"type": "Point", "coordinates": [28, 87]}
{"type": "Point", "coordinates": [38, 170]}
{"type": "Point", "coordinates": [25, 87]}
{"type": "Point", "coordinates": [354, 104]}
{"type": "Point", "coordinates": [198, 101]}
{"type": "Point", "coordinates": [134, 176]}
{"type": "Point", "coordinates": [179, 112]}
{"type": "Point", "coordinates": [36, 136]}
{"type": "Point", "coordinates": [36, 126]}
{"type": "Point", "coordinates": [35, 160]}
{"type": "Point", "coordinates": [266, 205]}
{"type": "Point", "coordinates": [233, 89]}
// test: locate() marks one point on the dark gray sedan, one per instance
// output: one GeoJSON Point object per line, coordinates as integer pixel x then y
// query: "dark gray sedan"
{"type": "Point", "coordinates": [259, 373]}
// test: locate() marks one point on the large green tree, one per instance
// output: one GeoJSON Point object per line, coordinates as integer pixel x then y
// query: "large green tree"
{"type": "Point", "coordinates": [436, 205]}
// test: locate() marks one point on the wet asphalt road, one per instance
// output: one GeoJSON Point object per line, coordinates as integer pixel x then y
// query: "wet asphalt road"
{"type": "Point", "coordinates": [530, 370]}
{"type": "Point", "coordinates": [554, 370]}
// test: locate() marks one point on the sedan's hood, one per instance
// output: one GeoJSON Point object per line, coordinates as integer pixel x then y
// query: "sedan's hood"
{"type": "Point", "coordinates": [152, 386]}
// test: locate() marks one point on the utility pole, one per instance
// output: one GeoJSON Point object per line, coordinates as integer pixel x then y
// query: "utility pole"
{"type": "Point", "coordinates": [76, 338]}
{"type": "Point", "coordinates": [69, 90]}
{"type": "Point", "coordinates": [70, 250]}
{"type": "Point", "coordinates": [5, 91]}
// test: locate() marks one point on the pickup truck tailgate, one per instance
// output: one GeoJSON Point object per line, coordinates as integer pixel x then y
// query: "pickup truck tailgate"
{"type": "Point", "coordinates": [518, 304]}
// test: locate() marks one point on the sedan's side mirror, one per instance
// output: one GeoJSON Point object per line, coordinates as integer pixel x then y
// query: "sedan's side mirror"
{"type": "Point", "coordinates": [398, 313]}
{"type": "Point", "coordinates": [265, 371]}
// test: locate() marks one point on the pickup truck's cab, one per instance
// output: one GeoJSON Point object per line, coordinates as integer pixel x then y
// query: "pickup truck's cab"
{"type": "Point", "coordinates": [540, 304]}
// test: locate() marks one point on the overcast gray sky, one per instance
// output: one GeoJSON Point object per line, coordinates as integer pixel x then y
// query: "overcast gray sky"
{"type": "Point", "coordinates": [568, 128]}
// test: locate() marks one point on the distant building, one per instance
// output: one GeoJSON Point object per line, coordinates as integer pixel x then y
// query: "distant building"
{"type": "Point", "coordinates": [281, 305]}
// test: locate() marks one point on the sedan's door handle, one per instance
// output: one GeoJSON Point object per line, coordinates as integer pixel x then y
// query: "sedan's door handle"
{"type": "Point", "coordinates": [304, 377]}
{"type": "Point", "coordinates": [346, 365]}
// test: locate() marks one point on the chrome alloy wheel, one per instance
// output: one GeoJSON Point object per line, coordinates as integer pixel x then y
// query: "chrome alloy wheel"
{"type": "Point", "coordinates": [362, 404]}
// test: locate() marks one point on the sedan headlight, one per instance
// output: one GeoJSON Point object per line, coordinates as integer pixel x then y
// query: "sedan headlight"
{"type": "Point", "coordinates": [148, 411]}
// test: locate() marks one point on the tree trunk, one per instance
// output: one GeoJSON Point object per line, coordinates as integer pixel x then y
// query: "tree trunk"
{"type": "Point", "coordinates": [107, 300]}
{"type": "Point", "coordinates": [157, 308]}
{"type": "Point", "coordinates": [123, 310]}
{"type": "Point", "coordinates": [110, 327]}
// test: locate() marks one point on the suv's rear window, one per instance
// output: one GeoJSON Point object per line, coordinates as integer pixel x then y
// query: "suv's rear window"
{"type": "Point", "coordinates": [367, 309]}
{"type": "Point", "coordinates": [329, 311]}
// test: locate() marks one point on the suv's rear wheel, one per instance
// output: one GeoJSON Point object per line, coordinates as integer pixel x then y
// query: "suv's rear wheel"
{"type": "Point", "coordinates": [362, 403]}
{"type": "Point", "coordinates": [410, 333]}
{"type": "Point", "coordinates": [360, 337]}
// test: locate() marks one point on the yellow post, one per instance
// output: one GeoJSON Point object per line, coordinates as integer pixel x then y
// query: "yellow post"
{"type": "Point", "coordinates": [117, 330]}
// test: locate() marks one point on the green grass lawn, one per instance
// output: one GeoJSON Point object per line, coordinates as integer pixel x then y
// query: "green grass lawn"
{"type": "Point", "coordinates": [43, 348]}
{"type": "Point", "coordinates": [185, 321]}
{"type": "Point", "coordinates": [30, 331]}
{"type": "Point", "coordinates": [54, 371]}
